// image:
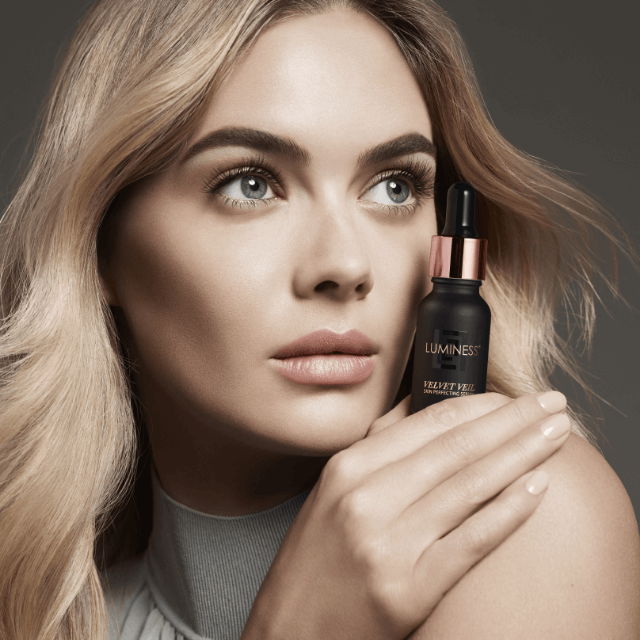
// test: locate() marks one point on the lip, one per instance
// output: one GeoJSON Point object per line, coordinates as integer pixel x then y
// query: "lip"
{"type": "Point", "coordinates": [327, 358]}
{"type": "Point", "coordinates": [325, 342]}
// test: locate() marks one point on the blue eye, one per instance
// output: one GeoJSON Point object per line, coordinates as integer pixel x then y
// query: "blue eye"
{"type": "Point", "coordinates": [392, 191]}
{"type": "Point", "coordinates": [249, 186]}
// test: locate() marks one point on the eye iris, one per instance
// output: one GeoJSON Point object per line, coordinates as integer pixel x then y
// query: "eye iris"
{"type": "Point", "coordinates": [253, 187]}
{"type": "Point", "coordinates": [397, 190]}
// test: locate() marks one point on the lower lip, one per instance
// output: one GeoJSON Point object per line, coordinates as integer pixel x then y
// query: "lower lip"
{"type": "Point", "coordinates": [327, 369]}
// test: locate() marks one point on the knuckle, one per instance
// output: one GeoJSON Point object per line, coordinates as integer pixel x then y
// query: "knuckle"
{"type": "Point", "coordinates": [341, 469]}
{"type": "Point", "coordinates": [513, 507]}
{"type": "Point", "coordinates": [472, 486]}
{"type": "Point", "coordinates": [520, 413]}
{"type": "Point", "coordinates": [371, 557]}
{"type": "Point", "coordinates": [447, 412]}
{"type": "Point", "coordinates": [355, 510]}
{"type": "Point", "coordinates": [460, 444]}
{"type": "Point", "coordinates": [389, 599]}
{"type": "Point", "coordinates": [484, 532]}
{"type": "Point", "coordinates": [520, 449]}
{"type": "Point", "coordinates": [496, 400]}
{"type": "Point", "coordinates": [455, 411]}
{"type": "Point", "coordinates": [479, 536]}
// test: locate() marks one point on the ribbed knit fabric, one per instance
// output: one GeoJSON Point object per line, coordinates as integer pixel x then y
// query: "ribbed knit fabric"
{"type": "Point", "coordinates": [200, 573]}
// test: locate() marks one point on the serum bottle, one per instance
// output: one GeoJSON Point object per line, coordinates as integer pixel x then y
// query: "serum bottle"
{"type": "Point", "coordinates": [452, 334]}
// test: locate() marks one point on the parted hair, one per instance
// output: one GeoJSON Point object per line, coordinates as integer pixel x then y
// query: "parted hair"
{"type": "Point", "coordinates": [132, 86]}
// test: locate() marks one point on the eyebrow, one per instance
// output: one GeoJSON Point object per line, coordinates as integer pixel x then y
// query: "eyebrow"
{"type": "Point", "coordinates": [290, 150]}
{"type": "Point", "coordinates": [252, 138]}
{"type": "Point", "coordinates": [402, 146]}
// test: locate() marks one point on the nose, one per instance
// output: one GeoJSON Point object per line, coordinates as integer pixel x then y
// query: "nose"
{"type": "Point", "coordinates": [333, 258]}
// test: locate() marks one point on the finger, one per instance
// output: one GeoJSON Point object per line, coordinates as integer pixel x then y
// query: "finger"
{"type": "Point", "coordinates": [404, 481]}
{"type": "Point", "coordinates": [455, 500]}
{"type": "Point", "coordinates": [445, 561]}
{"type": "Point", "coordinates": [397, 439]}
{"type": "Point", "coordinates": [438, 418]}
{"type": "Point", "coordinates": [400, 411]}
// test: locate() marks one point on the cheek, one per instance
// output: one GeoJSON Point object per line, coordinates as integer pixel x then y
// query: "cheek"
{"type": "Point", "coordinates": [403, 274]}
{"type": "Point", "coordinates": [195, 299]}
{"type": "Point", "coordinates": [402, 281]}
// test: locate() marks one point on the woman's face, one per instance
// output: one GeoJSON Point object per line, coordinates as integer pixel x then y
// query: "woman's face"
{"type": "Point", "coordinates": [304, 205]}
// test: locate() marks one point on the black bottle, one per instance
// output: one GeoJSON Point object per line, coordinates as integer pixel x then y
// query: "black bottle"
{"type": "Point", "coordinates": [452, 334]}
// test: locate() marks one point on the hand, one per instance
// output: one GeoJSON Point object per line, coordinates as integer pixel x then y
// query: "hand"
{"type": "Point", "coordinates": [395, 520]}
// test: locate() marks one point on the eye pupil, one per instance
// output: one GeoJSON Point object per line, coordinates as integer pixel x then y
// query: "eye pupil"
{"type": "Point", "coordinates": [253, 187]}
{"type": "Point", "coordinates": [397, 190]}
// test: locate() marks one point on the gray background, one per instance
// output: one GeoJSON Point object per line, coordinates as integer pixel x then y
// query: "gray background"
{"type": "Point", "coordinates": [560, 82]}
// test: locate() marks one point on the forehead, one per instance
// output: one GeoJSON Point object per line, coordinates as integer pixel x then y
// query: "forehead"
{"type": "Point", "coordinates": [320, 78]}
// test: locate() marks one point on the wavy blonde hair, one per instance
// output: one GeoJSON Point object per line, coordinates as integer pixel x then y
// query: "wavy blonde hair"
{"type": "Point", "coordinates": [136, 79]}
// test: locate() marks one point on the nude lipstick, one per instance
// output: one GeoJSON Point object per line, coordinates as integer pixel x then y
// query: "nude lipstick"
{"type": "Point", "coordinates": [327, 358]}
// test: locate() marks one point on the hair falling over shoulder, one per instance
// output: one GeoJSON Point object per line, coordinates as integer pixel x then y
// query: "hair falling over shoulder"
{"type": "Point", "coordinates": [136, 77]}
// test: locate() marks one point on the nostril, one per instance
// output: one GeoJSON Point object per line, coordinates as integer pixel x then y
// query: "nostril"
{"type": "Point", "coordinates": [326, 285]}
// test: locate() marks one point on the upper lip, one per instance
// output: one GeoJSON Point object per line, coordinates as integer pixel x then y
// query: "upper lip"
{"type": "Point", "coordinates": [351, 342]}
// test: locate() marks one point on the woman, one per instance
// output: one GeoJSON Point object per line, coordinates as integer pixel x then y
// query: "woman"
{"type": "Point", "coordinates": [220, 189]}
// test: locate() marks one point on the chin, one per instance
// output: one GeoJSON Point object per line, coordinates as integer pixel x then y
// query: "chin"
{"type": "Point", "coordinates": [319, 425]}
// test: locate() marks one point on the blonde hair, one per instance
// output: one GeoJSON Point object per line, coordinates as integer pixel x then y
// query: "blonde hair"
{"type": "Point", "coordinates": [135, 80]}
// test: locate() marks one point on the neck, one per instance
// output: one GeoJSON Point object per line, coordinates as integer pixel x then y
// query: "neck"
{"type": "Point", "coordinates": [227, 479]}
{"type": "Point", "coordinates": [204, 467]}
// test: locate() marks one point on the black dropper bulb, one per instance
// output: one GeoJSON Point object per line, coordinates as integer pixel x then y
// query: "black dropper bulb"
{"type": "Point", "coordinates": [461, 211]}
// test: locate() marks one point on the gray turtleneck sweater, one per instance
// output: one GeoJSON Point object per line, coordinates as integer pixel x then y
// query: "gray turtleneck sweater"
{"type": "Point", "coordinates": [199, 575]}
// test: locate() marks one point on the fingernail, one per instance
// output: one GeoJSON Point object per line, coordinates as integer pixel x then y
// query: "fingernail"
{"type": "Point", "coordinates": [552, 401]}
{"type": "Point", "coordinates": [555, 426]}
{"type": "Point", "coordinates": [538, 482]}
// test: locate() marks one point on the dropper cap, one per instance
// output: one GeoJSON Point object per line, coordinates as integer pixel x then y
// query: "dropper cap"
{"type": "Point", "coordinates": [458, 252]}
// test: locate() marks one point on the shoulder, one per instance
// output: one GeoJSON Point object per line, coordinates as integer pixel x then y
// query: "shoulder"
{"type": "Point", "coordinates": [571, 571]}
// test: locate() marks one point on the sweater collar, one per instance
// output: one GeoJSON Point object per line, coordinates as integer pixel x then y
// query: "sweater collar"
{"type": "Point", "coordinates": [205, 570]}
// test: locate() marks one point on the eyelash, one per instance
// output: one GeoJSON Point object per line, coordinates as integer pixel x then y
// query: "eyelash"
{"type": "Point", "coordinates": [421, 177]}
{"type": "Point", "coordinates": [419, 174]}
{"type": "Point", "coordinates": [253, 166]}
